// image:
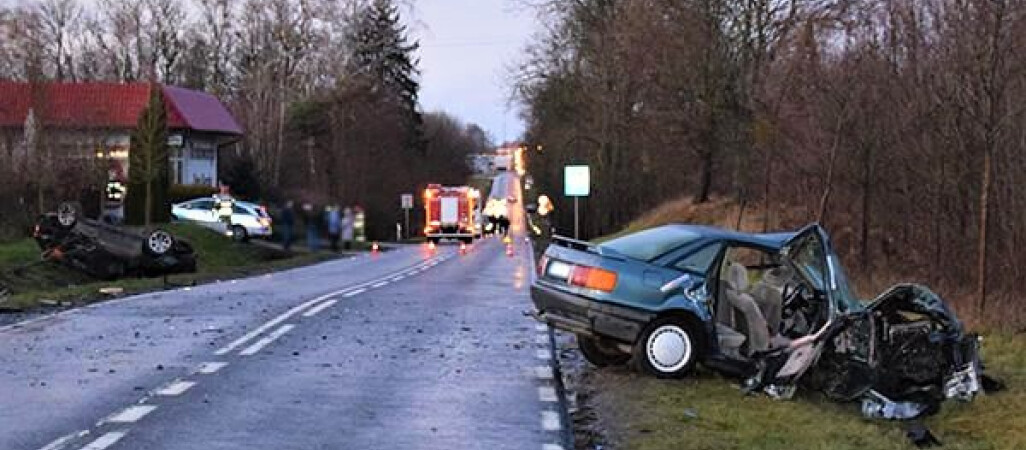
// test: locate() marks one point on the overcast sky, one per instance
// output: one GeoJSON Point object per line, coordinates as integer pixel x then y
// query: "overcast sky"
{"type": "Point", "coordinates": [466, 47]}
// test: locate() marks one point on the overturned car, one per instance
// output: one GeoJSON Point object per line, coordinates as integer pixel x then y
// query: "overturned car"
{"type": "Point", "coordinates": [773, 309]}
{"type": "Point", "coordinates": [108, 251]}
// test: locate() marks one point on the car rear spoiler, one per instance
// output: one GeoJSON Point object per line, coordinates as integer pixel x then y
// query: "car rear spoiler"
{"type": "Point", "coordinates": [585, 246]}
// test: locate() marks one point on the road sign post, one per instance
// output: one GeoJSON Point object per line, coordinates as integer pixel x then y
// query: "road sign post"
{"type": "Point", "coordinates": [406, 201]}
{"type": "Point", "coordinates": [576, 184]}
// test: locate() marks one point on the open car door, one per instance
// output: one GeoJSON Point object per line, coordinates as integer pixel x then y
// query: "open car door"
{"type": "Point", "coordinates": [811, 258]}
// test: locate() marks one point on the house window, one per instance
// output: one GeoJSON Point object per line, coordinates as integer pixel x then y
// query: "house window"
{"type": "Point", "coordinates": [203, 154]}
{"type": "Point", "coordinates": [177, 166]}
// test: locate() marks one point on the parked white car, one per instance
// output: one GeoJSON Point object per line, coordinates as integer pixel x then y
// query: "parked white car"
{"type": "Point", "coordinates": [248, 219]}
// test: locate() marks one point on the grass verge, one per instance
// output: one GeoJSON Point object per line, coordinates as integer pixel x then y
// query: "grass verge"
{"type": "Point", "coordinates": [708, 412]}
{"type": "Point", "coordinates": [217, 258]}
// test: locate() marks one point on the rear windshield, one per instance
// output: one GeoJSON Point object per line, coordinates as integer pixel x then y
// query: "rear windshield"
{"type": "Point", "coordinates": [652, 243]}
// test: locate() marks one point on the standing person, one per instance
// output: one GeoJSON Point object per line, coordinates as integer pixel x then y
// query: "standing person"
{"type": "Point", "coordinates": [333, 219]}
{"type": "Point", "coordinates": [288, 222]}
{"type": "Point", "coordinates": [348, 222]}
{"type": "Point", "coordinates": [312, 227]}
{"type": "Point", "coordinates": [224, 207]}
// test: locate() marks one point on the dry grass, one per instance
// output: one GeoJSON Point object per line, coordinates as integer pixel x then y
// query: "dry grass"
{"type": "Point", "coordinates": [708, 412]}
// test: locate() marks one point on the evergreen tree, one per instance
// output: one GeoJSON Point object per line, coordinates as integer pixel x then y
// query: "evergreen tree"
{"type": "Point", "coordinates": [383, 57]}
{"type": "Point", "coordinates": [146, 199]}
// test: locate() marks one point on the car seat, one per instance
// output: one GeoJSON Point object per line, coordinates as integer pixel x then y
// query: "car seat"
{"type": "Point", "coordinates": [737, 297]}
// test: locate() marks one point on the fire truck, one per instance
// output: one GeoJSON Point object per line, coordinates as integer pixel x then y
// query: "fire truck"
{"type": "Point", "coordinates": [450, 213]}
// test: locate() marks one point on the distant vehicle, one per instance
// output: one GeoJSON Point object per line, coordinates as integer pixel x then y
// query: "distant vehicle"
{"type": "Point", "coordinates": [107, 251]}
{"type": "Point", "coordinates": [774, 309]}
{"type": "Point", "coordinates": [449, 213]}
{"type": "Point", "coordinates": [502, 162]}
{"type": "Point", "coordinates": [248, 219]}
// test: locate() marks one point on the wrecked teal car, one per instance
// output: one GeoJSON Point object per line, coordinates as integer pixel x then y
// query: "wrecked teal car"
{"type": "Point", "coordinates": [774, 310]}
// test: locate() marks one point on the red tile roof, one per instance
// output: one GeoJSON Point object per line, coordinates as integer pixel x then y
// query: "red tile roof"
{"type": "Point", "coordinates": [110, 105]}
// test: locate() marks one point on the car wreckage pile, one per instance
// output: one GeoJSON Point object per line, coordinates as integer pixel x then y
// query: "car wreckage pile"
{"type": "Point", "coordinates": [108, 251]}
{"type": "Point", "coordinates": [669, 298]}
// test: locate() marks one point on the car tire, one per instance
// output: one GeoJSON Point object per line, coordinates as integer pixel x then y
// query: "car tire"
{"type": "Point", "coordinates": [669, 347]}
{"type": "Point", "coordinates": [158, 243]}
{"type": "Point", "coordinates": [67, 214]}
{"type": "Point", "coordinates": [239, 233]}
{"type": "Point", "coordinates": [601, 353]}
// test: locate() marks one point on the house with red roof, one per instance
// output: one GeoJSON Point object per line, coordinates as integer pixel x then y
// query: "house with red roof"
{"type": "Point", "coordinates": [95, 120]}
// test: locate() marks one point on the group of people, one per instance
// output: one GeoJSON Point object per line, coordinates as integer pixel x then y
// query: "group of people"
{"type": "Point", "coordinates": [337, 223]}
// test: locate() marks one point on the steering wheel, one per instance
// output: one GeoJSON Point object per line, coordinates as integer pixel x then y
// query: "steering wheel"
{"type": "Point", "coordinates": [791, 294]}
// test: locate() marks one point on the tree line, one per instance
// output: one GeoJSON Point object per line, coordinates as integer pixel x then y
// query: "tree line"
{"type": "Point", "coordinates": [896, 124]}
{"type": "Point", "coordinates": [325, 90]}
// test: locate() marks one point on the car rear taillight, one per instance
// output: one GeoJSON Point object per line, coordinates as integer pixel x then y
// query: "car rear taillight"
{"type": "Point", "coordinates": [593, 278]}
{"type": "Point", "coordinates": [581, 276]}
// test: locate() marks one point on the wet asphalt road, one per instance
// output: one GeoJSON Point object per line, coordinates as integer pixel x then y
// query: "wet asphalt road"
{"type": "Point", "coordinates": [411, 348]}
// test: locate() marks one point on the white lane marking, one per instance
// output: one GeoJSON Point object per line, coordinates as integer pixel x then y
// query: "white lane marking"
{"type": "Point", "coordinates": [552, 447]}
{"type": "Point", "coordinates": [550, 421]}
{"type": "Point", "coordinates": [398, 278]}
{"type": "Point", "coordinates": [267, 326]}
{"type": "Point", "coordinates": [107, 440]}
{"type": "Point", "coordinates": [543, 372]}
{"type": "Point", "coordinates": [354, 293]}
{"type": "Point", "coordinates": [208, 368]}
{"type": "Point", "coordinates": [317, 309]}
{"type": "Point", "coordinates": [295, 310]}
{"type": "Point", "coordinates": [542, 339]}
{"type": "Point", "coordinates": [547, 394]}
{"type": "Point", "coordinates": [175, 389]}
{"type": "Point", "coordinates": [63, 441]}
{"type": "Point", "coordinates": [541, 327]}
{"type": "Point", "coordinates": [131, 414]}
{"type": "Point", "coordinates": [259, 345]}
{"type": "Point", "coordinates": [543, 354]}
{"type": "Point", "coordinates": [377, 285]}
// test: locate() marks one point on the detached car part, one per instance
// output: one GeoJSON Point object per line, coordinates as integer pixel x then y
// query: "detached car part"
{"type": "Point", "coordinates": [107, 251]}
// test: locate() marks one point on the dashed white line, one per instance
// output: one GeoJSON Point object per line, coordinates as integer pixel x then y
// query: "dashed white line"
{"type": "Point", "coordinates": [317, 309]}
{"type": "Point", "coordinates": [107, 440]}
{"type": "Point", "coordinates": [398, 278]}
{"type": "Point", "coordinates": [550, 421]}
{"type": "Point", "coordinates": [377, 285]}
{"type": "Point", "coordinates": [63, 441]}
{"type": "Point", "coordinates": [542, 339]}
{"type": "Point", "coordinates": [543, 372]}
{"type": "Point", "coordinates": [552, 447]}
{"type": "Point", "coordinates": [267, 326]}
{"type": "Point", "coordinates": [547, 394]}
{"type": "Point", "coordinates": [208, 368]}
{"type": "Point", "coordinates": [259, 345]}
{"type": "Point", "coordinates": [354, 293]}
{"type": "Point", "coordinates": [541, 327]}
{"type": "Point", "coordinates": [131, 414]}
{"type": "Point", "coordinates": [543, 354]}
{"type": "Point", "coordinates": [175, 389]}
